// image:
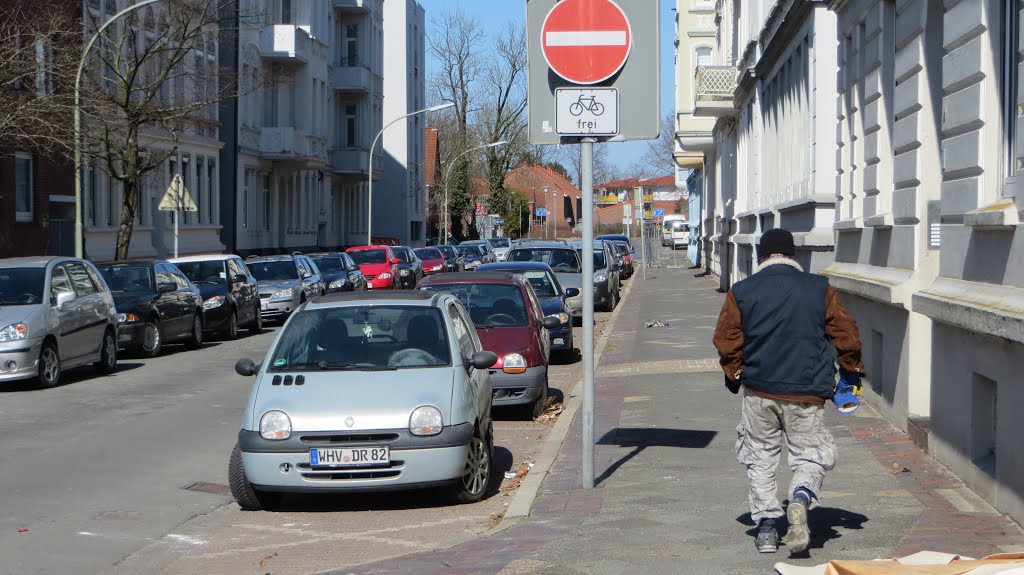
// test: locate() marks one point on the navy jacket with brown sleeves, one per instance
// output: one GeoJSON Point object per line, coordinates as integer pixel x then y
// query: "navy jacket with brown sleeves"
{"type": "Point", "coordinates": [782, 330]}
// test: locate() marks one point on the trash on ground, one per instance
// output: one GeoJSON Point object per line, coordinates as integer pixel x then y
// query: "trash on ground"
{"type": "Point", "coordinates": [510, 474]}
{"type": "Point", "coordinates": [551, 410]}
{"type": "Point", "coordinates": [517, 476]}
{"type": "Point", "coordinates": [897, 468]}
{"type": "Point", "coordinates": [655, 323]}
{"type": "Point", "coordinates": [936, 563]}
{"type": "Point", "coordinates": [23, 530]}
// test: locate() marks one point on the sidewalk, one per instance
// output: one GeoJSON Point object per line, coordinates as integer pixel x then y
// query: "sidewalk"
{"type": "Point", "coordinates": [671, 497]}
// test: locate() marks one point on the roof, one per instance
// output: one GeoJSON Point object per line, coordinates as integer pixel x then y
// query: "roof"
{"type": "Point", "coordinates": [30, 261]}
{"type": "Point", "coordinates": [371, 296]}
{"type": "Point", "coordinates": [203, 258]}
{"type": "Point", "coordinates": [135, 262]}
{"type": "Point", "coordinates": [530, 177]}
{"type": "Point", "coordinates": [669, 180]}
{"type": "Point", "coordinates": [470, 278]}
{"type": "Point", "coordinates": [513, 266]}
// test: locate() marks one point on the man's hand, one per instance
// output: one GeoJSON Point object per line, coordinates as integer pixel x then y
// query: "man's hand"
{"type": "Point", "coordinates": [732, 385]}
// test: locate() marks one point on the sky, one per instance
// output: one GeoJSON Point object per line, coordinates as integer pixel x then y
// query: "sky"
{"type": "Point", "coordinates": [493, 14]}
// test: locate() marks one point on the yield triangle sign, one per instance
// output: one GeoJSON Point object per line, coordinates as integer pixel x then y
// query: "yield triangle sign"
{"type": "Point", "coordinates": [177, 198]}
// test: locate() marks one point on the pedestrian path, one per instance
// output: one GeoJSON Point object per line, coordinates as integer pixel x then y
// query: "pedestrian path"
{"type": "Point", "coordinates": [670, 496]}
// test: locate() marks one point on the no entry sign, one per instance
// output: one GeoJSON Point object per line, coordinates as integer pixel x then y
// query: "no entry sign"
{"type": "Point", "coordinates": [586, 41]}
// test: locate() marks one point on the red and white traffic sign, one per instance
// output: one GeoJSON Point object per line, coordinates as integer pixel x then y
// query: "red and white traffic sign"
{"type": "Point", "coordinates": [586, 41]}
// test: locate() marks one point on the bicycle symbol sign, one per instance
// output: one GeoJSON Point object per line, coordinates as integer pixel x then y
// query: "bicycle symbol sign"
{"type": "Point", "coordinates": [587, 112]}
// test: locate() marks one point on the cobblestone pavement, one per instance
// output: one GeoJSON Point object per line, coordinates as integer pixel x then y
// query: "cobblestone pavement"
{"type": "Point", "coordinates": [670, 496]}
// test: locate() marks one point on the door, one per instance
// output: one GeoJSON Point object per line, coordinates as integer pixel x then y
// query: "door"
{"type": "Point", "coordinates": [93, 306]}
{"type": "Point", "coordinates": [168, 304]}
{"type": "Point", "coordinates": [71, 319]}
{"type": "Point", "coordinates": [542, 335]}
{"type": "Point", "coordinates": [244, 293]}
{"type": "Point", "coordinates": [188, 298]}
{"type": "Point", "coordinates": [469, 343]}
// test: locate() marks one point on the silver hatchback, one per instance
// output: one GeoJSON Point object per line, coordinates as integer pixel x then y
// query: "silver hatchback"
{"type": "Point", "coordinates": [55, 313]}
{"type": "Point", "coordinates": [367, 391]}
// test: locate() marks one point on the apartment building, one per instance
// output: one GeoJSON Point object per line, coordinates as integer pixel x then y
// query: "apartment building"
{"type": "Point", "coordinates": [402, 197]}
{"type": "Point", "coordinates": [886, 134]}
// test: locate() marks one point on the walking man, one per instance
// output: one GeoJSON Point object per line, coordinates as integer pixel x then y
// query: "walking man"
{"type": "Point", "coordinates": [775, 337]}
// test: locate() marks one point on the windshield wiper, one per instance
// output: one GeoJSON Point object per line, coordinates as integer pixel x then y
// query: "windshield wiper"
{"type": "Point", "coordinates": [335, 366]}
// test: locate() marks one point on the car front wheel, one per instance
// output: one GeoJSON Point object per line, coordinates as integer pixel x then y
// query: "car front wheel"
{"type": "Point", "coordinates": [108, 354]}
{"type": "Point", "coordinates": [256, 327]}
{"type": "Point", "coordinates": [49, 366]}
{"type": "Point", "coordinates": [476, 474]}
{"type": "Point", "coordinates": [195, 339]}
{"type": "Point", "coordinates": [248, 498]}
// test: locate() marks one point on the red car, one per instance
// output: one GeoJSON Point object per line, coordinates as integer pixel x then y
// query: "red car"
{"type": "Point", "coordinates": [433, 260]}
{"type": "Point", "coordinates": [510, 322]}
{"type": "Point", "coordinates": [377, 263]}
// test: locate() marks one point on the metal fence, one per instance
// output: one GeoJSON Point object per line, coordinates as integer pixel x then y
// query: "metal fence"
{"type": "Point", "coordinates": [715, 82]}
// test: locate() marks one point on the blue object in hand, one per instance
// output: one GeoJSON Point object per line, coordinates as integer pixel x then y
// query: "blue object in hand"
{"type": "Point", "coordinates": [847, 395]}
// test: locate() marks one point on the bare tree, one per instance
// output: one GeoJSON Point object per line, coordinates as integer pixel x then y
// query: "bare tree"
{"type": "Point", "coordinates": [658, 160]}
{"type": "Point", "coordinates": [39, 50]}
{"type": "Point", "coordinates": [604, 170]}
{"type": "Point", "coordinates": [152, 79]}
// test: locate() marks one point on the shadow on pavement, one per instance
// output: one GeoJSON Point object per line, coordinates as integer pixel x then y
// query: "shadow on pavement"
{"type": "Point", "coordinates": [84, 373]}
{"type": "Point", "coordinates": [823, 522]}
{"type": "Point", "coordinates": [641, 438]}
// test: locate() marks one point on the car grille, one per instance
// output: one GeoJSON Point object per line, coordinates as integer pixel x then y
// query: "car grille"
{"type": "Point", "coordinates": [370, 276]}
{"type": "Point", "coordinates": [265, 295]}
{"type": "Point", "coordinates": [350, 474]}
{"type": "Point", "coordinates": [509, 393]}
{"type": "Point", "coordinates": [350, 438]}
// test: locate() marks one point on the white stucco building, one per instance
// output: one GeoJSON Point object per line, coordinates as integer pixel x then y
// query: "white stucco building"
{"type": "Point", "coordinates": [885, 134]}
{"type": "Point", "coordinates": [400, 200]}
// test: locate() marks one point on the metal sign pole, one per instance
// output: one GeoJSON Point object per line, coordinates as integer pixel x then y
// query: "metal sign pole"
{"type": "Point", "coordinates": [587, 187]}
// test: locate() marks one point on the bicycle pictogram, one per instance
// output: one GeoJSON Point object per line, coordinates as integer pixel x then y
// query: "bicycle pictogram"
{"type": "Point", "coordinates": [587, 103]}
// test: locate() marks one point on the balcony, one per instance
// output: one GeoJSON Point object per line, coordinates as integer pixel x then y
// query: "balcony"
{"type": "Point", "coordinates": [352, 6]}
{"type": "Point", "coordinates": [606, 200]}
{"type": "Point", "coordinates": [285, 43]}
{"type": "Point", "coordinates": [285, 143]}
{"type": "Point", "coordinates": [713, 91]}
{"type": "Point", "coordinates": [351, 77]}
{"type": "Point", "coordinates": [355, 161]}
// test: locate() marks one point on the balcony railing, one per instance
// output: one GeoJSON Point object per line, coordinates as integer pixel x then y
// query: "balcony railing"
{"type": "Point", "coordinates": [713, 90]}
{"type": "Point", "coordinates": [606, 199]}
{"type": "Point", "coordinates": [351, 77]}
{"type": "Point", "coordinates": [287, 143]}
{"type": "Point", "coordinates": [285, 43]}
{"type": "Point", "coordinates": [354, 161]}
{"type": "Point", "coordinates": [353, 6]}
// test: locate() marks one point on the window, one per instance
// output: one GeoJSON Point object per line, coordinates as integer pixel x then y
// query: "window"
{"type": "Point", "coordinates": [462, 331]}
{"type": "Point", "coordinates": [59, 281]}
{"type": "Point", "coordinates": [44, 66]}
{"type": "Point", "coordinates": [164, 276]}
{"type": "Point", "coordinates": [266, 201]}
{"type": "Point", "coordinates": [23, 187]}
{"type": "Point", "coordinates": [351, 123]}
{"type": "Point", "coordinates": [351, 57]}
{"type": "Point", "coordinates": [1011, 59]}
{"type": "Point", "coordinates": [80, 279]}
{"type": "Point", "coordinates": [236, 267]}
{"type": "Point", "coordinates": [702, 55]}
{"type": "Point", "coordinates": [286, 11]}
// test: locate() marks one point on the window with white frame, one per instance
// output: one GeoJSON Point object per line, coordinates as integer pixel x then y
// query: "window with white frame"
{"type": "Point", "coordinates": [23, 187]}
{"type": "Point", "coordinates": [44, 66]}
{"type": "Point", "coordinates": [702, 56]}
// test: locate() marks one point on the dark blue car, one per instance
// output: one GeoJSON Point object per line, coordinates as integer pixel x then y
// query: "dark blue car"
{"type": "Point", "coordinates": [554, 300]}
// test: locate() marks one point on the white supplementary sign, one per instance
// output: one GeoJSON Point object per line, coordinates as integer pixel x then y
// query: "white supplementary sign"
{"type": "Point", "coordinates": [587, 111]}
{"type": "Point", "coordinates": [177, 198]}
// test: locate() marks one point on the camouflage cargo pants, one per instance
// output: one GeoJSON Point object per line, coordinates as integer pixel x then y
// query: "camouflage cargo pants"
{"type": "Point", "coordinates": [764, 424]}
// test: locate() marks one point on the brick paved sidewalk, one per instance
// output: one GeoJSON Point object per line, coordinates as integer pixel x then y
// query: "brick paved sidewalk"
{"type": "Point", "coordinates": [671, 497]}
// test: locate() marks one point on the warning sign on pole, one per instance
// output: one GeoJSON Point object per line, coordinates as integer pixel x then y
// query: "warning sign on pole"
{"type": "Point", "coordinates": [177, 198]}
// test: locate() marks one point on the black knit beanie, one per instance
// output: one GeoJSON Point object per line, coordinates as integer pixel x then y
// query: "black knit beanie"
{"type": "Point", "coordinates": [775, 241]}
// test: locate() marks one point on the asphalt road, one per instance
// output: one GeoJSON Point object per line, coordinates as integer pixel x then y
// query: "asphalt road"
{"type": "Point", "coordinates": [127, 474]}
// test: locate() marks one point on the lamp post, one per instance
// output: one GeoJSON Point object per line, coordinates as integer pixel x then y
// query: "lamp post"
{"type": "Point", "coordinates": [369, 188]}
{"type": "Point", "coordinates": [79, 248]}
{"type": "Point", "coordinates": [448, 172]}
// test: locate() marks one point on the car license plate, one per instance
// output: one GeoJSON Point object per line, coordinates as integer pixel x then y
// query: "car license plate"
{"type": "Point", "coordinates": [558, 341]}
{"type": "Point", "coordinates": [350, 456]}
{"type": "Point", "coordinates": [369, 285]}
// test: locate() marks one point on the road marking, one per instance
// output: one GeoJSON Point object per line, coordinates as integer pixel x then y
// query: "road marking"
{"type": "Point", "coordinates": [587, 38]}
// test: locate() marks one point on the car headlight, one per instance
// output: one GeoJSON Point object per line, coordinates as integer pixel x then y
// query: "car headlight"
{"type": "Point", "coordinates": [600, 277]}
{"type": "Point", "coordinates": [562, 317]}
{"type": "Point", "coordinates": [14, 332]}
{"type": "Point", "coordinates": [436, 268]}
{"type": "Point", "coordinates": [405, 272]}
{"type": "Point", "coordinates": [275, 425]}
{"type": "Point", "coordinates": [426, 420]}
{"type": "Point", "coordinates": [215, 301]}
{"type": "Point", "coordinates": [336, 284]}
{"type": "Point", "coordinates": [282, 294]}
{"type": "Point", "coordinates": [385, 276]}
{"type": "Point", "coordinates": [514, 363]}
{"type": "Point", "coordinates": [127, 317]}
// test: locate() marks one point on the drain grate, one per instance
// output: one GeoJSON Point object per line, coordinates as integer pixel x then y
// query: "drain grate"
{"type": "Point", "coordinates": [205, 487]}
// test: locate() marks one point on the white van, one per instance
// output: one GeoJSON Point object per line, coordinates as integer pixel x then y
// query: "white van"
{"type": "Point", "coordinates": [680, 234]}
{"type": "Point", "coordinates": [666, 227]}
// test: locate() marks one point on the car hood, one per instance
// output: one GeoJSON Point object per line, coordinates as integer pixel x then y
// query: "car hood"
{"type": "Point", "coordinates": [27, 314]}
{"type": "Point", "coordinates": [270, 286]}
{"type": "Point", "coordinates": [328, 278]}
{"type": "Point", "coordinates": [130, 301]}
{"type": "Point", "coordinates": [375, 269]}
{"type": "Point", "coordinates": [373, 399]}
{"type": "Point", "coordinates": [506, 340]}
{"type": "Point", "coordinates": [210, 290]}
{"type": "Point", "coordinates": [570, 279]}
{"type": "Point", "coordinates": [434, 262]}
{"type": "Point", "coordinates": [551, 305]}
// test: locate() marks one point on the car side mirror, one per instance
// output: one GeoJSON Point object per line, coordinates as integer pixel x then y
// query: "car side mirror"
{"type": "Point", "coordinates": [306, 275]}
{"type": "Point", "coordinates": [166, 287]}
{"type": "Point", "coordinates": [552, 322]}
{"type": "Point", "coordinates": [396, 261]}
{"type": "Point", "coordinates": [239, 279]}
{"type": "Point", "coordinates": [66, 297]}
{"type": "Point", "coordinates": [353, 268]}
{"type": "Point", "coordinates": [246, 367]}
{"type": "Point", "coordinates": [483, 359]}
{"type": "Point", "coordinates": [571, 292]}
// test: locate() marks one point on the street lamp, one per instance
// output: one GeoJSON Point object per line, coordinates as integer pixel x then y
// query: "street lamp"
{"type": "Point", "coordinates": [369, 189]}
{"type": "Point", "coordinates": [448, 172]}
{"type": "Point", "coordinates": [79, 248]}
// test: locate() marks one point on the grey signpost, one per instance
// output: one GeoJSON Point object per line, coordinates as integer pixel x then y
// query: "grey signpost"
{"type": "Point", "coordinates": [593, 77]}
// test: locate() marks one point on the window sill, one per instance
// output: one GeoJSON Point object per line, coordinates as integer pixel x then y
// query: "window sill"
{"type": "Point", "coordinates": [872, 282]}
{"type": "Point", "coordinates": [1002, 214]}
{"type": "Point", "coordinates": [850, 225]}
{"type": "Point", "coordinates": [812, 200]}
{"type": "Point", "coordinates": [879, 221]}
{"type": "Point", "coordinates": [988, 309]}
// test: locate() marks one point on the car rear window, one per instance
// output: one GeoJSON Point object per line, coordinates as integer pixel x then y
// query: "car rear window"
{"type": "Point", "coordinates": [273, 270]}
{"type": "Point", "coordinates": [369, 256]}
{"type": "Point", "coordinates": [560, 260]}
{"type": "Point", "coordinates": [362, 338]}
{"type": "Point", "coordinates": [489, 305]}
{"type": "Point", "coordinates": [429, 254]}
{"type": "Point", "coordinates": [211, 271]}
{"type": "Point", "coordinates": [127, 278]}
{"type": "Point", "coordinates": [329, 264]}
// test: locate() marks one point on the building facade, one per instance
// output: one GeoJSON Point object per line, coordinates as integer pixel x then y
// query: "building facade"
{"type": "Point", "coordinates": [402, 197]}
{"type": "Point", "coordinates": [886, 134]}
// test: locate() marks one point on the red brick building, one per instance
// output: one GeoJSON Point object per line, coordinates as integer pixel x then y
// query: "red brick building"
{"type": "Point", "coordinates": [37, 205]}
{"type": "Point", "coordinates": [550, 190]}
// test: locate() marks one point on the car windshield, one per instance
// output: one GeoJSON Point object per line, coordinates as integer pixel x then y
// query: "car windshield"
{"type": "Point", "coordinates": [208, 272]}
{"type": "Point", "coordinates": [362, 338]}
{"type": "Point", "coordinates": [620, 248]}
{"type": "Point", "coordinates": [127, 278]}
{"type": "Point", "coordinates": [273, 270]}
{"type": "Point", "coordinates": [404, 255]}
{"type": "Point", "coordinates": [429, 254]}
{"type": "Point", "coordinates": [369, 256]}
{"type": "Point", "coordinates": [21, 286]}
{"type": "Point", "coordinates": [499, 242]}
{"type": "Point", "coordinates": [489, 305]}
{"type": "Point", "coordinates": [598, 258]}
{"type": "Point", "coordinates": [469, 250]}
{"type": "Point", "coordinates": [542, 283]}
{"type": "Point", "coordinates": [448, 251]}
{"type": "Point", "coordinates": [560, 260]}
{"type": "Point", "coordinates": [329, 264]}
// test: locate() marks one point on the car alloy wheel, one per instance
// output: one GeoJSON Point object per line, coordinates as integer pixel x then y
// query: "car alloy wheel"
{"type": "Point", "coordinates": [257, 324]}
{"type": "Point", "coordinates": [49, 365]}
{"type": "Point", "coordinates": [477, 472]}
{"type": "Point", "coordinates": [195, 340]}
{"type": "Point", "coordinates": [108, 354]}
{"type": "Point", "coordinates": [152, 339]}
{"type": "Point", "coordinates": [233, 325]}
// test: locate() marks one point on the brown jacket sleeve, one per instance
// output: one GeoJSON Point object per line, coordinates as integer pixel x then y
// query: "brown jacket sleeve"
{"type": "Point", "coordinates": [842, 330]}
{"type": "Point", "coordinates": [728, 338]}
